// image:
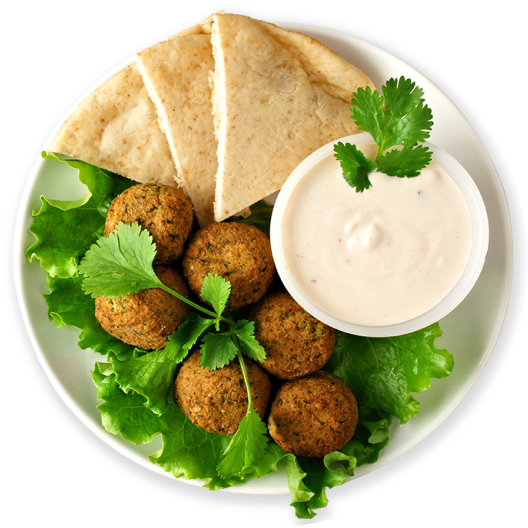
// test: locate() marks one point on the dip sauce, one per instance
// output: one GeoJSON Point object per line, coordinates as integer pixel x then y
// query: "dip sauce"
{"type": "Point", "coordinates": [380, 257]}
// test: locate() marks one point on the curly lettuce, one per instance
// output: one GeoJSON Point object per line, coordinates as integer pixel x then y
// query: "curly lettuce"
{"type": "Point", "coordinates": [134, 386]}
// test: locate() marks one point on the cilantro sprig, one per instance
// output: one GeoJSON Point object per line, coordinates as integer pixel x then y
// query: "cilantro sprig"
{"type": "Point", "coordinates": [122, 264]}
{"type": "Point", "coordinates": [398, 118]}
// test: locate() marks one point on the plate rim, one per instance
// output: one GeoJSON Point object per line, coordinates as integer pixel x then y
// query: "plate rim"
{"type": "Point", "coordinates": [19, 260]}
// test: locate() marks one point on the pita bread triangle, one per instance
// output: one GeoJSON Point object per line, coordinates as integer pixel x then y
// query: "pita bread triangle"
{"type": "Point", "coordinates": [116, 128]}
{"type": "Point", "coordinates": [176, 74]}
{"type": "Point", "coordinates": [277, 97]}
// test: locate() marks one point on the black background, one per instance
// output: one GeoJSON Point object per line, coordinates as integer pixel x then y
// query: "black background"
{"type": "Point", "coordinates": [465, 466]}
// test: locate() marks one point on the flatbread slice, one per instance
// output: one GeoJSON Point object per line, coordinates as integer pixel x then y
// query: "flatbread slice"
{"type": "Point", "coordinates": [116, 128]}
{"type": "Point", "coordinates": [176, 74]}
{"type": "Point", "coordinates": [277, 96]}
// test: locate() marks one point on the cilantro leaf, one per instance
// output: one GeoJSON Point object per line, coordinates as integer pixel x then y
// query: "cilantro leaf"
{"type": "Point", "coordinates": [407, 120]}
{"type": "Point", "coordinates": [152, 374]}
{"type": "Point", "coordinates": [217, 350]}
{"type": "Point", "coordinates": [186, 336]}
{"type": "Point", "coordinates": [120, 263]}
{"type": "Point", "coordinates": [398, 118]}
{"type": "Point", "coordinates": [246, 447]}
{"type": "Point", "coordinates": [245, 331]}
{"type": "Point", "coordinates": [356, 166]}
{"type": "Point", "coordinates": [407, 162]}
{"type": "Point", "coordinates": [367, 112]}
{"type": "Point", "coordinates": [216, 290]}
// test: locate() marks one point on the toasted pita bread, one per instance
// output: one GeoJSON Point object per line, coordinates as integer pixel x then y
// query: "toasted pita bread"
{"type": "Point", "coordinates": [116, 128]}
{"type": "Point", "coordinates": [277, 96]}
{"type": "Point", "coordinates": [176, 74]}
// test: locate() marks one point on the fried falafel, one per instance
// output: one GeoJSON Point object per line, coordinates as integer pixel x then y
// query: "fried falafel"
{"type": "Point", "coordinates": [239, 253]}
{"type": "Point", "coordinates": [217, 400]}
{"type": "Point", "coordinates": [314, 415]}
{"type": "Point", "coordinates": [165, 212]}
{"type": "Point", "coordinates": [147, 318]}
{"type": "Point", "coordinates": [296, 343]}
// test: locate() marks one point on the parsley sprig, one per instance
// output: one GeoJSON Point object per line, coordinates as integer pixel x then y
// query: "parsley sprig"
{"type": "Point", "coordinates": [398, 118]}
{"type": "Point", "coordinates": [121, 264]}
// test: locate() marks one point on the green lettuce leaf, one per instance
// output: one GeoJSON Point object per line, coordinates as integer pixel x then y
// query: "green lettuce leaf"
{"type": "Point", "coordinates": [151, 375]}
{"type": "Point", "coordinates": [384, 372]}
{"type": "Point", "coordinates": [124, 413]}
{"type": "Point", "coordinates": [260, 216]}
{"type": "Point", "coordinates": [135, 386]}
{"type": "Point", "coordinates": [318, 477]}
{"type": "Point", "coordinates": [64, 230]}
{"type": "Point", "coordinates": [333, 469]}
{"type": "Point", "coordinates": [68, 305]}
{"type": "Point", "coordinates": [187, 451]}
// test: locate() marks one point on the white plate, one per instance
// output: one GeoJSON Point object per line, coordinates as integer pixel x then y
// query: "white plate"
{"type": "Point", "coordinates": [470, 332]}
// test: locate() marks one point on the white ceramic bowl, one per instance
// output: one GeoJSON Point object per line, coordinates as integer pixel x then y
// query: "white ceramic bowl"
{"type": "Point", "coordinates": [479, 244]}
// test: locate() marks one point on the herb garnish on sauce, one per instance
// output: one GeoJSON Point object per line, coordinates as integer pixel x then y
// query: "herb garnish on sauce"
{"type": "Point", "coordinates": [398, 118]}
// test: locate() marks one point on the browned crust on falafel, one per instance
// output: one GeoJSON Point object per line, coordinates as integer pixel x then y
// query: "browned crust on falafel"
{"type": "Point", "coordinates": [147, 318]}
{"type": "Point", "coordinates": [313, 416]}
{"type": "Point", "coordinates": [240, 253]}
{"type": "Point", "coordinates": [296, 343]}
{"type": "Point", "coordinates": [165, 212]}
{"type": "Point", "coordinates": [217, 400]}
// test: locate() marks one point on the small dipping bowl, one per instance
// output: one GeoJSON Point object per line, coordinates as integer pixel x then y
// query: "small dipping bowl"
{"type": "Point", "coordinates": [466, 281]}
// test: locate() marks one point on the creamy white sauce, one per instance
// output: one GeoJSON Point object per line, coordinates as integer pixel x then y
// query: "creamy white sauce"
{"type": "Point", "coordinates": [380, 257]}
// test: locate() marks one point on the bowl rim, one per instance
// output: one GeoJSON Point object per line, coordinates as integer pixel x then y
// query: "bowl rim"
{"type": "Point", "coordinates": [470, 275]}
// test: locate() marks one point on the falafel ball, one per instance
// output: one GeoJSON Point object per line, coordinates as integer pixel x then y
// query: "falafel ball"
{"type": "Point", "coordinates": [240, 253]}
{"type": "Point", "coordinates": [313, 416]}
{"type": "Point", "coordinates": [147, 318]}
{"type": "Point", "coordinates": [217, 400]}
{"type": "Point", "coordinates": [165, 212]}
{"type": "Point", "coordinates": [296, 343]}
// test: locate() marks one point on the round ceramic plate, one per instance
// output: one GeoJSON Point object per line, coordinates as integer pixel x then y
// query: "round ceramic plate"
{"type": "Point", "coordinates": [470, 332]}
